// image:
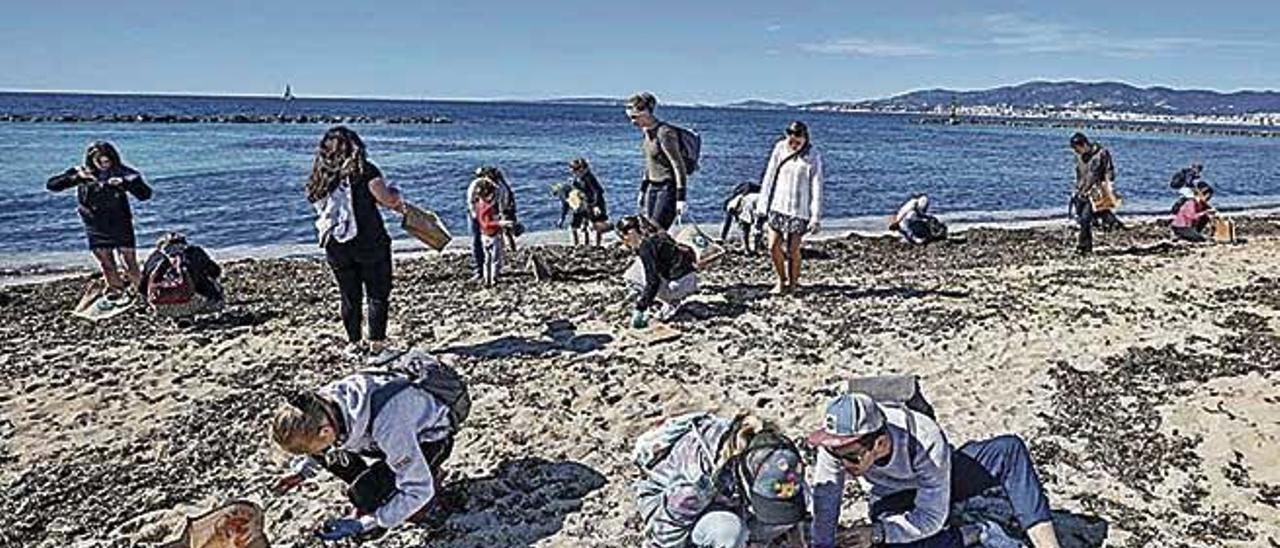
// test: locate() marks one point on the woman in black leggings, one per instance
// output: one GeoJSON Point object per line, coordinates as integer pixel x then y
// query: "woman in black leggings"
{"type": "Point", "coordinates": [346, 189]}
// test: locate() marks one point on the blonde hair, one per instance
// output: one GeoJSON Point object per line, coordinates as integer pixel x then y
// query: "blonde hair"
{"type": "Point", "coordinates": [745, 428]}
{"type": "Point", "coordinates": [297, 421]}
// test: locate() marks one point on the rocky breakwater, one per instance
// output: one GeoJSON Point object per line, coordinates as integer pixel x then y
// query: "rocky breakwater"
{"type": "Point", "coordinates": [219, 119]}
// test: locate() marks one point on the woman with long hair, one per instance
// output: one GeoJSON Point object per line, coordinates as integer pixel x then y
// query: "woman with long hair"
{"type": "Point", "coordinates": [792, 201]}
{"type": "Point", "coordinates": [346, 189]}
{"type": "Point", "coordinates": [103, 185]}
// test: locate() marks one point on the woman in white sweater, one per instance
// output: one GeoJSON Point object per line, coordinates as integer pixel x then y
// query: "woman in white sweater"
{"type": "Point", "coordinates": [792, 201]}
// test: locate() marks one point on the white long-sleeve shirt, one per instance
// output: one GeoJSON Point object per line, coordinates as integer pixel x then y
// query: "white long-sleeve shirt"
{"type": "Point", "coordinates": [796, 186]}
{"type": "Point", "coordinates": [921, 460]}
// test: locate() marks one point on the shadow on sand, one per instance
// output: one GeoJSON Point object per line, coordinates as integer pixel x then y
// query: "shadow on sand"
{"type": "Point", "coordinates": [559, 336]}
{"type": "Point", "coordinates": [521, 503]}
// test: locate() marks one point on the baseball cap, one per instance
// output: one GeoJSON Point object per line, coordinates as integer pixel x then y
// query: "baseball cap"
{"type": "Point", "coordinates": [849, 417]}
{"type": "Point", "coordinates": [775, 479]}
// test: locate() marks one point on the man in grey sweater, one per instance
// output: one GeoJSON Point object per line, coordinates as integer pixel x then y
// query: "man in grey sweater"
{"type": "Point", "coordinates": [662, 193]}
{"type": "Point", "coordinates": [915, 474]}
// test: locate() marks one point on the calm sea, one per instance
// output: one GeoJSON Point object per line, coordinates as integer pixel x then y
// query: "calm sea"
{"type": "Point", "coordinates": [241, 186]}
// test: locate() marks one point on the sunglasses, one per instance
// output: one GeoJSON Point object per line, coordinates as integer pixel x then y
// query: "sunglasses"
{"type": "Point", "coordinates": [853, 453]}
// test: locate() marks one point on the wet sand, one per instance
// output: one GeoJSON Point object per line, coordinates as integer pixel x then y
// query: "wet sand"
{"type": "Point", "coordinates": [1144, 379]}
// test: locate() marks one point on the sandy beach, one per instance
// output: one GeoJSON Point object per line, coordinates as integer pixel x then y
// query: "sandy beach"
{"type": "Point", "coordinates": [1145, 380]}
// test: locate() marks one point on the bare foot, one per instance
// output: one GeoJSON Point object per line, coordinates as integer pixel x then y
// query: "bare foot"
{"type": "Point", "coordinates": [778, 289]}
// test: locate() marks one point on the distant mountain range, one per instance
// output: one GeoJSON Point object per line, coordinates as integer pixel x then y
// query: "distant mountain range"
{"type": "Point", "coordinates": [1056, 96]}
{"type": "Point", "coordinates": [1050, 96]}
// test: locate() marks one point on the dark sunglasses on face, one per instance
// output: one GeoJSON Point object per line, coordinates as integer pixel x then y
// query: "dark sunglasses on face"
{"type": "Point", "coordinates": [852, 454]}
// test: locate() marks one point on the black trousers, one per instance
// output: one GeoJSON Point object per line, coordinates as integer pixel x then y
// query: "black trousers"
{"type": "Point", "coordinates": [369, 486]}
{"type": "Point", "coordinates": [660, 203]}
{"type": "Point", "coordinates": [360, 272]}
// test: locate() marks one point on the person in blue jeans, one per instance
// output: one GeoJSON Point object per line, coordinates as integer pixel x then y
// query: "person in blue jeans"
{"type": "Point", "coordinates": [915, 476]}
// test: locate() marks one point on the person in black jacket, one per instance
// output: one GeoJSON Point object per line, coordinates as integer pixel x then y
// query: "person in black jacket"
{"type": "Point", "coordinates": [346, 189]}
{"type": "Point", "coordinates": [103, 185]}
{"type": "Point", "coordinates": [593, 215]}
{"type": "Point", "coordinates": [664, 271]}
{"type": "Point", "coordinates": [204, 276]}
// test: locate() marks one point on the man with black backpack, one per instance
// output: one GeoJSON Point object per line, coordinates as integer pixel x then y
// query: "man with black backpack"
{"type": "Point", "coordinates": [670, 156]}
{"type": "Point", "coordinates": [915, 475]}
{"type": "Point", "coordinates": [386, 433]}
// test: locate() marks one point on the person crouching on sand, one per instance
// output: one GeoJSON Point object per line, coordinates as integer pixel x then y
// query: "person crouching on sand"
{"type": "Point", "coordinates": [915, 224]}
{"type": "Point", "coordinates": [384, 434]}
{"type": "Point", "coordinates": [1194, 215]}
{"type": "Point", "coordinates": [915, 475]}
{"type": "Point", "coordinates": [103, 185]}
{"type": "Point", "coordinates": [792, 204]}
{"type": "Point", "coordinates": [345, 189]}
{"type": "Point", "coordinates": [664, 270]}
{"type": "Point", "coordinates": [717, 482]}
{"type": "Point", "coordinates": [491, 229]}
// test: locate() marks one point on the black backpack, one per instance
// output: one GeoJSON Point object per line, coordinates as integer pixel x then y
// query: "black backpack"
{"type": "Point", "coordinates": [690, 147]}
{"type": "Point", "coordinates": [418, 370]}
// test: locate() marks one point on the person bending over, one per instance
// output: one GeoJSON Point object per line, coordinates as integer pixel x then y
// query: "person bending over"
{"type": "Point", "coordinates": [915, 476]}
{"type": "Point", "coordinates": [716, 482]}
{"type": "Point", "coordinates": [664, 270]}
{"type": "Point", "coordinates": [1193, 215]}
{"type": "Point", "coordinates": [385, 434]}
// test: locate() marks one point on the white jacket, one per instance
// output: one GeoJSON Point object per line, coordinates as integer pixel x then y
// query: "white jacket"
{"type": "Point", "coordinates": [798, 188]}
{"type": "Point", "coordinates": [335, 216]}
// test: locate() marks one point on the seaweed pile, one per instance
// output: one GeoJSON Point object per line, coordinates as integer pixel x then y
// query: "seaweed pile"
{"type": "Point", "coordinates": [1112, 420]}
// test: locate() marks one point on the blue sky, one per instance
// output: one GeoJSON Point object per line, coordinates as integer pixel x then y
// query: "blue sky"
{"type": "Point", "coordinates": [685, 51]}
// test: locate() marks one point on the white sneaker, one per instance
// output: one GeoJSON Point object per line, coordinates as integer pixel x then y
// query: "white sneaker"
{"type": "Point", "coordinates": [993, 536]}
{"type": "Point", "coordinates": [668, 311]}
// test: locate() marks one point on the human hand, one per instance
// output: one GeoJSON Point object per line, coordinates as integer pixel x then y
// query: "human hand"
{"type": "Point", "coordinates": [338, 529]}
{"type": "Point", "coordinates": [115, 181]}
{"type": "Point", "coordinates": [639, 320]}
{"type": "Point", "coordinates": [85, 173]}
{"type": "Point", "coordinates": [506, 224]}
{"type": "Point", "coordinates": [286, 483]}
{"type": "Point", "coordinates": [681, 207]}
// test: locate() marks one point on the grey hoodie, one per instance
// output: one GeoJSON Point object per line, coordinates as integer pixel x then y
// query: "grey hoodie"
{"type": "Point", "coordinates": [408, 419]}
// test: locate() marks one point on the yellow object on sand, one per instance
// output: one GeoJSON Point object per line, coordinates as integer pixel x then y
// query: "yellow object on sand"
{"type": "Point", "coordinates": [1224, 230]}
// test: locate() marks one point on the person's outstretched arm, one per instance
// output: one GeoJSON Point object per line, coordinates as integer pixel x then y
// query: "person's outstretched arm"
{"type": "Point", "coordinates": [828, 490]}
{"type": "Point", "coordinates": [67, 179]}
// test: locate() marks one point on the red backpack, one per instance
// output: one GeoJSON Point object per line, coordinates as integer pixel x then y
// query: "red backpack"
{"type": "Point", "coordinates": [172, 285]}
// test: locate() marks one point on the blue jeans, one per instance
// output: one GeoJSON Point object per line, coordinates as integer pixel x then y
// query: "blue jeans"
{"type": "Point", "coordinates": [1002, 461]}
{"type": "Point", "coordinates": [1082, 209]}
{"type": "Point", "coordinates": [477, 248]}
